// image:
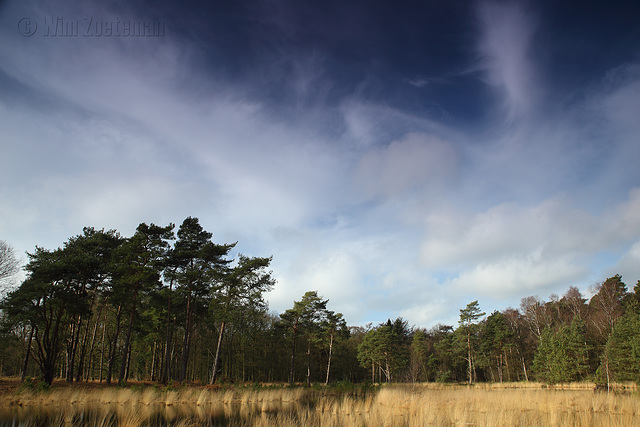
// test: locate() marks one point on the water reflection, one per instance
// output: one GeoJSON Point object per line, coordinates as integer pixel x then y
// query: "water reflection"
{"type": "Point", "coordinates": [412, 406]}
{"type": "Point", "coordinates": [159, 413]}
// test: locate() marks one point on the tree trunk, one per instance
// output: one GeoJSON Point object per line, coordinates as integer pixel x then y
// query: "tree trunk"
{"type": "Point", "coordinates": [112, 355]}
{"type": "Point", "coordinates": [186, 343]}
{"type": "Point", "coordinates": [75, 338]}
{"type": "Point", "coordinates": [166, 369]}
{"type": "Point", "coordinates": [172, 368]}
{"type": "Point", "coordinates": [93, 343]}
{"type": "Point", "coordinates": [326, 382]}
{"type": "Point", "coordinates": [153, 361]}
{"type": "Point", "coordinates": [293, 353]}
{"type": "Point", "coordinates": [74, 342]}
{"type": "Point", "coordinates": [524, 368]}
{"type": "Point", "coordinates": [126, 372]}
{"type": "Point", "coordinates": [49, 345]}
{"type": "Point", "coordinates": [83, 348]}
{"type": "Point", "coordinates": [387, 370]}
{"type": "Point", "coordinates": [242, 348]}
{"type": "Point", "coordinates": [164, 377]}
{"type": "Point", "coordinates": [104, 328]}
{"type": "Point", "coordinates": [27, 354]}
{"type": "Point", "coordinates": [127, 340]}
{"type": "Point", "coordinates": [475, 375]}
{"type": "Point", "coordinates": [214, 374]}
{"type": "Point", "coordinates": [309, 361]}
{"type": "Point", "coordinates": [506, 362]}
{"type": "Point", "coordinates": [469, 354]}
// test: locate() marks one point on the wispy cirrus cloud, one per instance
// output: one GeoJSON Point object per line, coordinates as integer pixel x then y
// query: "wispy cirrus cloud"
{"type": "Point", "coordinates": [506, 32]}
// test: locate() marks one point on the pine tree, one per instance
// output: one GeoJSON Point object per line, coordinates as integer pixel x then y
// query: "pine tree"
{"type": "Point", "coordinates": [468, 322]}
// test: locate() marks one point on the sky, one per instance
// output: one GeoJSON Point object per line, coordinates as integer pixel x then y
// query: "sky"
{"type": "Point", "coordinates": [400, 158]}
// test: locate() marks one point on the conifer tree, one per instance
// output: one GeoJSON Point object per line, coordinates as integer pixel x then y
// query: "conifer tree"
{"type": "Point", "coordinates": [469, 317]}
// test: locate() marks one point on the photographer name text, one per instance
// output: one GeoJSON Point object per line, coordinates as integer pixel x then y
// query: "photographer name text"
{"type": "Point", "coordinates": [58, 26]}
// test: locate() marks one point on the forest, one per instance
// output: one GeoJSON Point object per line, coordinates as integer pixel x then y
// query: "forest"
{"type": "Point", "coordinates": [173, 306]}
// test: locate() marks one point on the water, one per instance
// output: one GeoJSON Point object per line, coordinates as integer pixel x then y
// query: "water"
{"type": "Point", "coordinates": [182, 408]}
{"type": "Point", "coordinates": [233, 414]}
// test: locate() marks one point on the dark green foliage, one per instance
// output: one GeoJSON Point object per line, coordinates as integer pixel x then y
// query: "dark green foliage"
{"type": "Point", "coordinates": [496, 339]}
{"type": "Point", "coordinates": [468, 335]}
{"type": "Point", "coordinates": [449, 355]}
{"type": "Point", "coordinates": [239, 292]}
{"type": "Point", "coordinates": [198, 264]}
{"type": "Point", "coordinates": [385, 350]}
{"type": "Point", "coordinates": [621, 361]}
{"type": "Point", "coordinates": [138, 264]}
{"type": "Point", "coordinates": [562, 355]}
{"type": "Point", "coordinates": [56, 298]}
{"type": "Point", "coordinates": [304, 319]}
{"type": "Point", "coordinates": [421, 356]}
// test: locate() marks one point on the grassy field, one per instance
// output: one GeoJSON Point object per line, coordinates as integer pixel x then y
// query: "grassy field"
{"type": "Point", "coordinates": [522, 404]}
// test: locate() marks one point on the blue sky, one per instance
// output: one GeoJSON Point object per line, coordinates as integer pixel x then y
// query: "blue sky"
{"type": "Point", "coordinates": [401, 158]}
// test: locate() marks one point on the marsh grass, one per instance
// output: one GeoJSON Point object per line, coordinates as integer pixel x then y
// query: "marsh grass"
{"type": "Point", "coordinates": [528, 404]}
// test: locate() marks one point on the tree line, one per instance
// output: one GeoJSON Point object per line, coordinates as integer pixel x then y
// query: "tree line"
{"type": "Point", "coordinates": [165, 305]}
{"type": "Point", "coordinates": [561, 340]}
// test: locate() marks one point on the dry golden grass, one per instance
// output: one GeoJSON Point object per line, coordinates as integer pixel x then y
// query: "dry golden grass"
{"type": "Point", "coordinates": [417, 406]}
{"type": "Point", "coordinates": [529, 404]}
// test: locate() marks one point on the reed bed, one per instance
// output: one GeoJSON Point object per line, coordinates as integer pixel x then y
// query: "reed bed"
{"type": "Point", "coordinates": [528, 404]}
{"type": "Point", "coordinates": [507, 407]}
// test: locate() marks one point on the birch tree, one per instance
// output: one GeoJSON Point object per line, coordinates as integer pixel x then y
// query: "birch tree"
{"type": "Point", "coordinates": [333, 327]}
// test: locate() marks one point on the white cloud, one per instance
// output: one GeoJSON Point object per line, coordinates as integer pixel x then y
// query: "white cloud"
{"type": "Point", "coordinates": [506, 33]}
{"type": "Point", "coordinates": [456, 238]}
{"type": "Point", "coordinates": [515, 276]}
{"type": "Point", "coordinates": [416, 162]}
{"type": "Point", "coordinates": [428, 311]}
{"type": "Point", "coordinates": [339, 263]}
{"type": "Point", "coordinates": [511, 250]}
{"type": "Point", "coordinates": [629, 266]}
{"type": "Point", "coordinates": [333, 273]}
{"type": "Point", "coordinates": [622, 222]}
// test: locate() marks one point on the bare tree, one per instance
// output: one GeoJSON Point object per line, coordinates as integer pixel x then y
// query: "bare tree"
{"type": "Point", "coordinates": [535, 314]}
{"type": "Point", "coordinates": [574, 302]}
{"type": "Point", "coordinates": [9, 264]}
{"type": "Point", "coordinates": [607, 304]}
